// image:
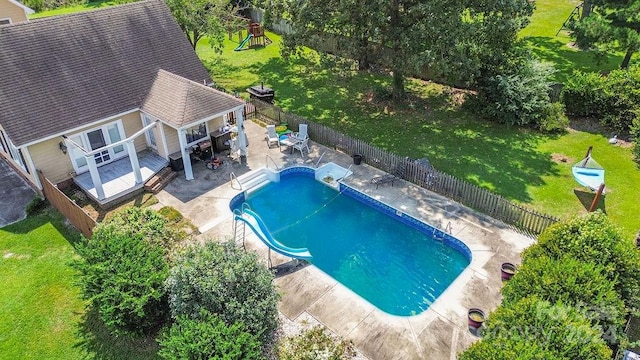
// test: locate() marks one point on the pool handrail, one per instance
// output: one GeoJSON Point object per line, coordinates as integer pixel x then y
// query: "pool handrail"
{"type": "Point", "coordinates": [273, 161]}
{"type": "Point", "coordinates": [319, 159]}
{"type": "Point", "coordinates": [260, 229]}
{"type": "Point", "coordinates": [232, 176]}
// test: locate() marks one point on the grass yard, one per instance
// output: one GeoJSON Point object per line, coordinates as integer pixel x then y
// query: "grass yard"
{"type": "Point", "coordinates": [541, 38]}
{"type": "Point", "coordinates": [41, 309]}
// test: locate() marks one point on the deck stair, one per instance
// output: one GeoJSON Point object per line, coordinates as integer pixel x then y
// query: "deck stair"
{"type": "Point", "coordinates": [160, 180]}
{"type": "Point", "coordinates": [254, 180]}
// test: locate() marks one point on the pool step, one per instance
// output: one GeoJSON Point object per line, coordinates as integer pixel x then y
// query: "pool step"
{"type": "Point", "coordinates": [253, 180]}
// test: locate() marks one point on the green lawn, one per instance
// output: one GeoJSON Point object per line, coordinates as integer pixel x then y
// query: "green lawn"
{"type": "Point", "coordinates": [41, 309]}
{"type": "Point", "coordinates": [541, 37]}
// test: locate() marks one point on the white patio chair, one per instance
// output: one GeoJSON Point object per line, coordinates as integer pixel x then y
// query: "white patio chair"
{"type": "Point", "coordinates": [272, 136]}
{"type": "Point", "coordinates": [302, 134]}
{"type": "Point", "coordinates": [301, 145]}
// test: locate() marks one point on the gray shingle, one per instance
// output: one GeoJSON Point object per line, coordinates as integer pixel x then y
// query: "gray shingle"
{"type": "Point", "coordinates": [180, 101]}
{"type": "Point", "coordinates": [66, 71]}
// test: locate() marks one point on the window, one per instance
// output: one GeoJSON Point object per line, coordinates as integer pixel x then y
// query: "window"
{"type": "Point", "coordinates": [196, 133]}
{"type": "Point", "coordinates": [5, 21]}
{"type": "Point", "coordinates": [3, 142]}
{"type": "Point", "coordinates": [94, 139]}
{"type": "Point", "coordinates": [151, 136]}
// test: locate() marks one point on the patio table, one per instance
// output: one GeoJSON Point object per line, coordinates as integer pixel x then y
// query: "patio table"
{"type": "Point", "coordinates": [289, 141]}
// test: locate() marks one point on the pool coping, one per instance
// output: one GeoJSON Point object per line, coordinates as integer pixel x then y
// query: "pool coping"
{"type": "Point", "coordinates": [440, 332]}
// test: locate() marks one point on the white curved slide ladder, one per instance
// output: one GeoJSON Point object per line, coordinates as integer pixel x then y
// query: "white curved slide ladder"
{"type": "Point", "coordinates": [260, 229]}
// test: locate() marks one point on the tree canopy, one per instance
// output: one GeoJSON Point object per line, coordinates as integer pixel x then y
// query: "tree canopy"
{"type": "Point", "coordinates": [453, 40]}
{"type": "Point", "coordinates": [611, 25]}
{"type": "Point", "coordinates": [200, 18]}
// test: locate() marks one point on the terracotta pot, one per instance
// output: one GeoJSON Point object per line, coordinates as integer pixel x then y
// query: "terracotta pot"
{"type": "Point", "coordinates": [476, 318]}
{"type": "Point", "coordinates": [507, 270]}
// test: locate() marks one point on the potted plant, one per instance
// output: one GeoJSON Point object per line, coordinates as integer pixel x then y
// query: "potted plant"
{"type": "Point", "coordinates": [507, 270]}
{"type": "Point", "coordinates": [476, 318]}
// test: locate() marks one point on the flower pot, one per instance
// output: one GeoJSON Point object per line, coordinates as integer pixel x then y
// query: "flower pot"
{"type": "Point", "coordinates": [507, 270]}
{"type": "Point", "coordinates": [476, 318]}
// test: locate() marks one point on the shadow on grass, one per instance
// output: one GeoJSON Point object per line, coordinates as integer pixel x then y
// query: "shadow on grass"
{"type": "Point", "coordinates": [566, 60]}
{"type": "Point", "coordinates": [586, 198]}
{"type": "Point", "coordinates": [428, 124]}
{"type": "Point", "coordinates": [95, 339]}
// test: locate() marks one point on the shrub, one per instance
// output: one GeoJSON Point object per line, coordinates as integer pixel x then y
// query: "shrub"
{"type": "Point", "coordinates": [35, 205]}
{"type": "Point", "coordinates": [123, 275]}
{"type": "Point", "coordinates": [208, 337]}
{"type": "Point", "coordinates": [536, 329]}
{"type": "Point", "coordinates": [614, 99]}
{"type": "Point", "coordinates": [582, 285]}
{"type": "Point", "coordinates": [146, 222]}
{"type": "Point", "coordinates": [520, 96]}
{"type": "Point", "coordinates": [224, 280]}
{"type": "Point", "coordinates": [635, 135]}
{"type": "Point", "coordinates": [315, 343]}
{"type": "Point", "coordinates": [553, 118]}
{"type": "Point", "coordinates": [592, 238]}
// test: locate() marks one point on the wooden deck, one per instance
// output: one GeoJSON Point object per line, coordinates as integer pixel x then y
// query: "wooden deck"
{"type": "Point", "coordinates": [118, 179]}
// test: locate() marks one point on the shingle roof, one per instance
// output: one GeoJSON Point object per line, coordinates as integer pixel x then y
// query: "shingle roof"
{"type": "Point", "coordinates": [180, 101]}
{"type": "Point", "coordinates": [66, 71]}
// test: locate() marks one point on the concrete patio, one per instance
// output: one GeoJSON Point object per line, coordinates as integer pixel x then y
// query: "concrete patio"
{"type": "Point", "coordinates": [440, 332]}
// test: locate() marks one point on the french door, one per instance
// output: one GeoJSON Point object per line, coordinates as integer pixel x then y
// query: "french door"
{"type": "Point", "coordinates": [95, 139]}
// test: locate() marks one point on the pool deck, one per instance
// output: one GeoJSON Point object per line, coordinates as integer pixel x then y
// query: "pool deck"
{"type": "Point", "coordinates": [440, 332]}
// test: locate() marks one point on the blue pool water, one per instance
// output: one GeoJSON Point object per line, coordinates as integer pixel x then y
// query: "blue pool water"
{"type": "Point", "coordinates": [396, 267]}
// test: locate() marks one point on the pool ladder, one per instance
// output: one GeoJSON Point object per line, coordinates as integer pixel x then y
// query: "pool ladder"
{"type": "Point", "coordinates": [240, 232]}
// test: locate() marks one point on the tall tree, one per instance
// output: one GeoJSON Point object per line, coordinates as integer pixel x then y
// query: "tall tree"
{"type": "Point", "coordinates": [612, 25]}
{"type": "Point", "coordinates": [200, 18]}
{"type": "Point", "coordinates": [451, 39]}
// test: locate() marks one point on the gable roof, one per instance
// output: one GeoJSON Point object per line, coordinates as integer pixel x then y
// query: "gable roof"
{"type": "Point", "coordinates": [180, 101]}
{"type": "Point", "coordinates": [67, 71]}
{"type": "Point", "coordinates": [26, 9]}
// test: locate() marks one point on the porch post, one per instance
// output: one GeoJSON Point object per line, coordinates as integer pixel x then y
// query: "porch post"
{"type": "Point", "coordinates": [95, 176]}
{"type": "Point", "coordinates": [242, 136]}
{"type": "Point", "coordinates": [186, 160]}
{"type": "Point", "coordinates": [135, 165]}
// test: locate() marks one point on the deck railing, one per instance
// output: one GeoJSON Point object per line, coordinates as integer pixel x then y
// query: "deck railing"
{"type": "Point", "coordinates": [522, 218]}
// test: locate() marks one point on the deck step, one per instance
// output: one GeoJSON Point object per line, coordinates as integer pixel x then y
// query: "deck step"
{"type": "Point", "coordinates": [253, 181]}
{"type": "Point", "coordinates": [160, 180]}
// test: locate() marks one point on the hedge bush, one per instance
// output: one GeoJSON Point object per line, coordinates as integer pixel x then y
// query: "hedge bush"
{"type": "Point", "coordinates": [520, 97]}
{"type": "Point", "coordinates": [208, 337]}
{"type": "Point", "coordinates": [593, 238]}
{"type": "Point", "coordinates": [315, 343]}
{"type": "Point", "coordinates": [226, 281]}
{"type": "Point", "coordinates": [582, 285]}
{"type": "Point", "coordinates": [614, 99]}
{"type": "Point", "coordinates": [122, 275]}
{"type": "Point", "coordinates": [536, 329]}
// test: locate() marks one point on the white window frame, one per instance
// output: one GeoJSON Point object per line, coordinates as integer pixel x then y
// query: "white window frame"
{"type": "Point", "coordinates": [150, 135]}
{"type": "Point", "coordinates": [9, 23]}
{"type": "Point", "coordinates": [76, 153]}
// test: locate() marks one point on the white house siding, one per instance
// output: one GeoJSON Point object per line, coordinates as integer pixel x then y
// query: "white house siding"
{"type": "Point", "coordinates": [54, 164]}
{"type": "Point", "coordinates": [132, 124]}
{"type": "Point", "coordinates": [172, 139]}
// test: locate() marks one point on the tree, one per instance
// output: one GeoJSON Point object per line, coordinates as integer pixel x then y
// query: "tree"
{"type": "Point", "coordinates": [536, 329]}
{"type": "Point", "coordinates": [122, 273]}
{"type": "Point", "coordinates": [208, 337]}
{"type": "Point", "coordinates": [226, 281]}
{"type": "Point", "coordinates": [575, 283]}
{"type": "Point", "coordinates": [200, 18]}
{"type": "Point", "coordinates": [452, 40]}
{"type": "Point", "coordinates": [593, 238]}
{"type": "Point", "coordinates": [611, 25]}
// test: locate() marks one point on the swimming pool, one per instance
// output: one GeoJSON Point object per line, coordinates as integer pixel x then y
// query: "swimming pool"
{"type": "Point", "coordinates": [387, 257]}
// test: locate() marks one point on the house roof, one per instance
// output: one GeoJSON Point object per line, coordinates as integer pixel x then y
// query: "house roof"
{"type": "Point", "coordinates": [180, 101]}
{"type": "Point", "coordinates": [63, 72]}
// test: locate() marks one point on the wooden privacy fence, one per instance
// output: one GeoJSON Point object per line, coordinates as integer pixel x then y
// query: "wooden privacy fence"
{"type": "Point", "coordinates": [76, 215]}
{"type": "Point", "coordinates": [419, 172]}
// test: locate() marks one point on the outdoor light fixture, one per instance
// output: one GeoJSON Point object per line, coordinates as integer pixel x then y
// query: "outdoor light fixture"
{"type": "Point", "coordinates": [63, 147]}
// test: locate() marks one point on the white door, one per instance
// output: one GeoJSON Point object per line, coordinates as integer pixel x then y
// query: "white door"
{"type": "Point", "coordinates": [149, 134]}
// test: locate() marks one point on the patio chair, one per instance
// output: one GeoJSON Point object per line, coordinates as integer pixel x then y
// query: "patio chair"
{"type": "Point", "coordinates": [272, 136]}
{"type": "Point", "coordinates": [397, 174]}
{"type": "Point", "coordinates": [301, 145]}
{"type": "Point", "coordinates": [302, 133]}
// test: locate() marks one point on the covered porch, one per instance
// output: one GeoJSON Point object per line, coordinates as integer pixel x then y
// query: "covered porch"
{"type": "Point", "coordinates": [118, 178]}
